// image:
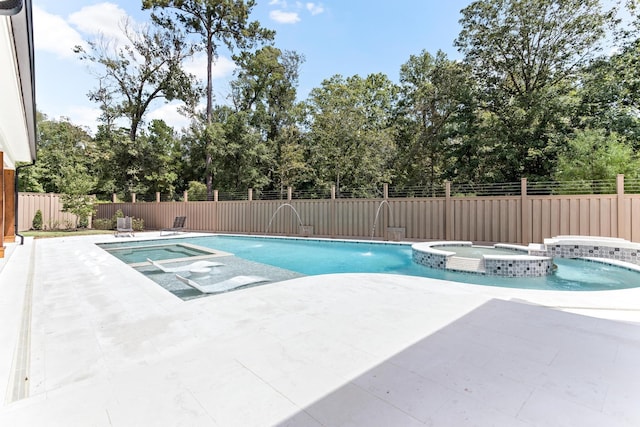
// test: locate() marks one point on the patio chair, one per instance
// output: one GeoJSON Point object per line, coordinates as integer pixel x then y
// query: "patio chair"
{"type": "Point", "coordinates": [124, 226]}
{"type": "Point", "coordinates": [178, 225]}
{"type": "Point", "coordinates": [225, 285]}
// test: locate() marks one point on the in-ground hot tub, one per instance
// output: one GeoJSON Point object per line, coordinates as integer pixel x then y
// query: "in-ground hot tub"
{"type": "Point", "coordinates": [499, 260]}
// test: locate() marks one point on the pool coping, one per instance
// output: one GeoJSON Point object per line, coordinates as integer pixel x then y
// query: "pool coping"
{"type": "Point", "coordinates": [209, 253]}
{"type": "Point", "coordinates": [233, 351]}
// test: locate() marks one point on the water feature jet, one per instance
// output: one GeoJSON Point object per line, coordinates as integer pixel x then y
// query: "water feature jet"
{"type": "Point", "coordinates": [373, 229]}
{"type": "Point", "coordinates": [276, 212]}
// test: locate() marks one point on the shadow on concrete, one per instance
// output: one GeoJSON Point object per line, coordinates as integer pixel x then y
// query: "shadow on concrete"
{"type": "Point", "coordinates": [506, 363]}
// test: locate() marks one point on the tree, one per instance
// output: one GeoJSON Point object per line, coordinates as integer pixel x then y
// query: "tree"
{"type": "Point", "coordinates": [265, 87]}
{"type": "Point", "coordinates": [138, 73]}
{"type": "Point", "coordinates": [594, 155]}
{"type": "Point", "coordinates": [197, 191]}
{"type": "Point", "coordinates": [80, 205]}
{"type": "Point", "coordinates": [351, 135]}
{"type": "Point", "coordinates": [609, 93]}
{"type": "Point", "coordinates": [435, 97]}
{"type": "Point", "coordinates": [265, 84]}
{"type": "Point", "coordinates": [65, 156]}
{"type": "Point", "coordinates": [292, 169]}
{"type": "Point", "coordinates": [215, 22]}
{"type": "Point", "coordinates": [237, 152]}
{"type": "Point", "coordinates": [525, 55]}
{"type": "Point", "coordinates": [160, 158]}
{"type": "Point", "coordinates": [120, 164]}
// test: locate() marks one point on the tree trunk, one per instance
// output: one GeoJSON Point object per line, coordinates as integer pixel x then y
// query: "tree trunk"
{"type": "Point", "coordinates": [208, 173]}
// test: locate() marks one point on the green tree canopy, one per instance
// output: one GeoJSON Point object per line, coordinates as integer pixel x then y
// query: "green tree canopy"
{"type": "Point", "coordinates": [594, 155]}
{"type": "Point", "coordinates": [134, 75]}
{"type": "Point", "coordinates": [66, 154]}
{"type": "Point", "coordinates": [525, 55]}
{"type": "Point", "coordinates": [352, 137]}
{"type": "Point", "coordinates": [214, 23]}
{"type": "Point", "coordinates": [436, 95]}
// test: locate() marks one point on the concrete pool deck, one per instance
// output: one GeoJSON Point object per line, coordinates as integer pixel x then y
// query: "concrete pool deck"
{"type": "Point", "coordinates": [101, 345]}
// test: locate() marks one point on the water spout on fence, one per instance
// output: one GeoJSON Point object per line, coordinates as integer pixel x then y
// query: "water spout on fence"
{"type": "Point", "coordinates": [276, 211]}
{"type": "Point", "coordinates": [375, 221]}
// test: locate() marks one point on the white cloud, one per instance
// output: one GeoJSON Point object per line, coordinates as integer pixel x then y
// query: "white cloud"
{"type": "Point", "coordinates": [83, 116]}
{"type": "Point", "coordinates": [222, 67]}
{"type": "Point", "coordinates": [169, 113]}
{"type": "Point", "coordinates": [101, 19]}
{"type": "Point", "coordinates": [315, 8]}
{"type": "Point", "coordinates": [53, 34]}
{"type": "Point", "coordinates": [284, 17]}
{"type": "Point", "coordinates": [281, 3]}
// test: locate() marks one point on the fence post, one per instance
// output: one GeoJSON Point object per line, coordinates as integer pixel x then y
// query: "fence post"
{"type": "Point", "coordinates": [215, 210]}
{"type": "Point", "coordinates": [157, 197]}
{"type": "Point", "coordinates": [385, 220]}
{"type": "Point", "coordinates": [248, 215]}
{"type": "Point", "coordinates": [114, 198]}
{"type": "Point", "coordinates": [622, 224]}
{"type": "Point", "coordinates": [185, 196]}
{"type": "Point", "coordinates": [332, 227]}
{"type": "Point", "coordinates": [50, 214]}
{"type": "Point", "coordinates": [525, 219]}
{"type": "Point", "coordinates": [448, 212]}
{"type": "Point", "coordinates": [133, 197]}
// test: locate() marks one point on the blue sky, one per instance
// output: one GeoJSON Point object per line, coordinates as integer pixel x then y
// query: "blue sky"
{"type": "Point", "coordinates": [344, 37]}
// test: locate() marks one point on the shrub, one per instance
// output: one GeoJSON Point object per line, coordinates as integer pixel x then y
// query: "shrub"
{"type": "Point", "coordinates": [36, 224]}
{"type": "Point", "coordinates": [138, 224]}
{"type": "Point", "coordinates": [83, 222]}
{"type": "Point", "coordinates": [102, 224]}
{"type": "Point", "coordinates": [79, 205]}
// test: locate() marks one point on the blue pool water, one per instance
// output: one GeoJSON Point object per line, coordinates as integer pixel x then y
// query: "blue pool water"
{"type": "Point", "coordinates": [313, 257]}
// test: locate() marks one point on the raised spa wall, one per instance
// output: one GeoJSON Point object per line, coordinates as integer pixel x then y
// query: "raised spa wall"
{"type": "Point", "coordinates": [524, 265]}
{"type": "Point", "coordinates": [536, 260]}
{"type": "Point", "coordinates": [593, 247]}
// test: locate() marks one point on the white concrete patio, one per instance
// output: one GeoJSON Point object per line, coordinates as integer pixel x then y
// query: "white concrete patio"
{"type": "Point", "coordinates": [101, 345]}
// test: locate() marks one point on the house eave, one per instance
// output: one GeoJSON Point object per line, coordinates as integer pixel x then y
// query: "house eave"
{"type": "Point", "coordinates": [18, 124]}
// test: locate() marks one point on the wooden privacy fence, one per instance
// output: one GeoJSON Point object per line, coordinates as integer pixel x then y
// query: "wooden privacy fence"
{"type": "Point", "coordinates": [509, 219]}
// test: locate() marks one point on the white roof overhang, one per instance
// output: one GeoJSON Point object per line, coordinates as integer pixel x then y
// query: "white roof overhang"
{"type": "Point", "coordinates": [17, 88]}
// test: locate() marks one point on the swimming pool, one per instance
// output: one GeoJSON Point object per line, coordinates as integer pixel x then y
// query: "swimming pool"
{"type": "Point", "coordinates": [320, 256]}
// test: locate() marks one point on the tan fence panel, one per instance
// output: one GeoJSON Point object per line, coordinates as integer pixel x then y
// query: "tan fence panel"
{"type": "Point", "coordinates": [51, 207]}
{"type": "Point", "coordinates": [587, 215]}
{"type": "Point", "coordinates": [478, 219]}
{"type": "Point", "coordinates": [632, 217]}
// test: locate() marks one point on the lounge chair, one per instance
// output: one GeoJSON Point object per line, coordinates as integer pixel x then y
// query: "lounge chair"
{"type": "Point", "coordinates": [197, 267]}
{"type": "Point", "coordinates": [178, 225]}
{"type": "Point", "coordinates": [124, 226]}
{"type": "Point", "coordinates": [225, 285]}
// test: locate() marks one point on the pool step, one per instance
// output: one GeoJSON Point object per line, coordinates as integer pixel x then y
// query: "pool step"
{"type": "Point", "coordinates": [465, 264]}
